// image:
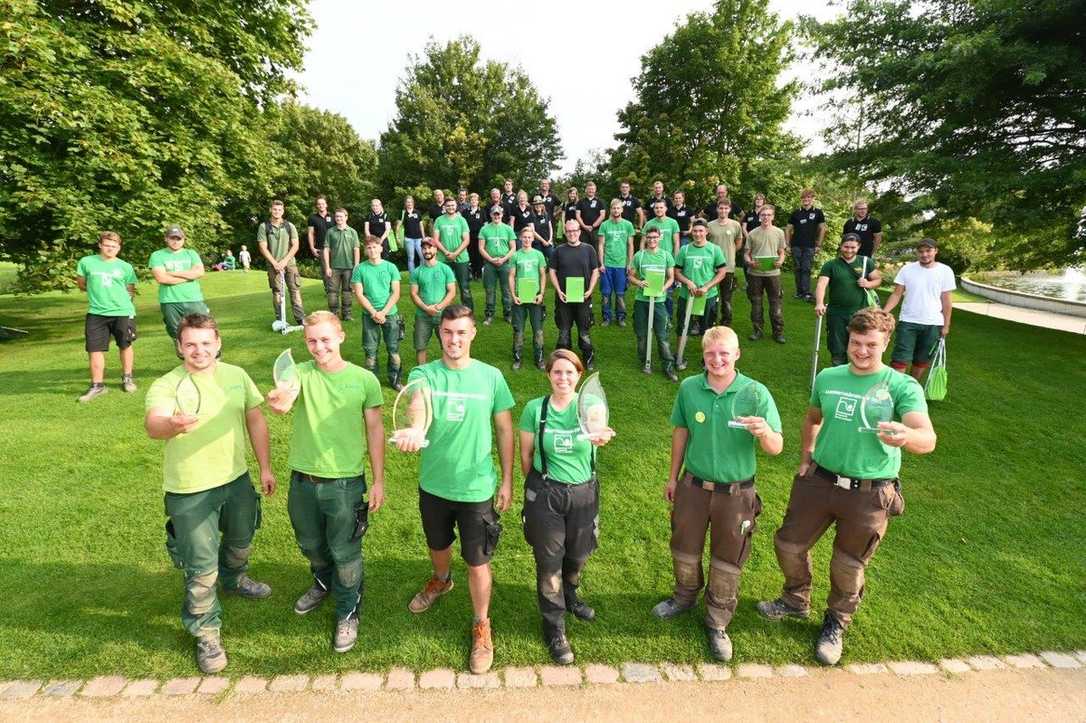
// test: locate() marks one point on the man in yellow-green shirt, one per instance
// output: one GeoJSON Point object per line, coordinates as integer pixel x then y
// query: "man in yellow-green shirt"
{"type": "Point", "coordinates": [204, 409]}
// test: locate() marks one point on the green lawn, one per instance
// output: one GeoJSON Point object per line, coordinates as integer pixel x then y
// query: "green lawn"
{"type": "Point", "coordinates": [988, 557]}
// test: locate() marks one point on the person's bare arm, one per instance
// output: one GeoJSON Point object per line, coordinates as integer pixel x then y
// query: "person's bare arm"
{"type": "Point", "coordinates": [165, 424]}
{"type": "Point", "coordinates": [821, 236]}
{"type": "Point", "coordinates": [81, 282]}
{"type": "Point", "coordinates": [311, 233]}
{"type": "Point", "coordinates": [261, 444]}
{"type": "Point", "coordinates": [360, 296]}
{"type": "Point", "coordinates": [894, 298]}
{"type": "Point", "coordinates": [679, 437]}
{"type": "Point", "coordinates": [820, 294]}
{"type": "Point", "coordinates": [670, 280]}
{"type": "Point", "coordinates": [327, 261]}
{"type": "Point", "coordinates": [263, 248]}
{"type": "Point", "coordinates": [503, 426]}
{"type": "Point", "coordinates": [913, 433]}
{"type": "Point", "coordinates": [553, 276]}
{"type": "Point", "coordinates": [393, 297]}
{"type": "Point", "coordinates": [876, 243]}
{"type": "Point", "coordinates": [375, 442]}
{"type": "Point", "coordinates": [812, 423]}
{"type": "Point", "coordinates": [527, 450]}
{"type": "Point", "coordinates": [592, 282]}
{"type": "Point", "coordinates": [948, 307]}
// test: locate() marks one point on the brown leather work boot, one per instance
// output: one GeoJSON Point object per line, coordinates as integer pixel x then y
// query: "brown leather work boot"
{"type": "Point", "coordinates": [482, 648]}
{"type": "Point", "coordinates": [434, 589]}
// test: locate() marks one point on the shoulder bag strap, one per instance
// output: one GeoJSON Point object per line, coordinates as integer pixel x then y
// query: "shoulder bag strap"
{"type": "Point", "coordinates": [539, 438]}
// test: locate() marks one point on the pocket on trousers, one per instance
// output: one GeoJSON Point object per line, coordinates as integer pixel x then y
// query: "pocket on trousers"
{"type": "Point", "coordinates": [171, 546]}
{"type": "Point", "coordinates": [258, 514]}
{"type": "Point", "coordinates": [361, 521]}
{"type": "Point", "coordinates": [897, 505]}
{"type": "Point", "coordinates": [493, 531]}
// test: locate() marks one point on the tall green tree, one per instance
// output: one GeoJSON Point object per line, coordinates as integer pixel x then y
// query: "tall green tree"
{"type": "Point", "coordinates": [709, 101]}
{"type": "Point", "coordinates": [132, 114]}
{"type": "Point", "coordinates": [464, 122]}
{"type": "Point", "coordinates": [972, 110]}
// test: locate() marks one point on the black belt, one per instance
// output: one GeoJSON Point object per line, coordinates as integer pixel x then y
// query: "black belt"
{"type": "Point", "coordinates": [724, 488]}
{"type": "Point", "coordinates": [315, 479]}
{"type": "Point", "coordinates": [853, 483]}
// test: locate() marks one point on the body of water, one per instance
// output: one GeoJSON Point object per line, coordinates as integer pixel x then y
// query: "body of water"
{"type": "Point", "coordinates": [1070, 285]}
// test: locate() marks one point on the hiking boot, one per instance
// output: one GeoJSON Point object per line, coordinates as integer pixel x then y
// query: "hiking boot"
{"type": "Point", "coordinates": [720, 645]}
{"type": "Point", "coordinates": [779, 338]}
{"type": "Point", "coordinates": [681, 364]}
{"type": "Point", "coordinates": [94, 390]}
{"type": "Point", "coordinates": [670, 374]}
{"type": "Point", "coordinates": [128, 383]}
{"type": "Point", "coordinates": [516, 361]}
{"type": "Point", "coordinates": [669, 608]}
{"type": "Point", "coordinates": [433, 589]}
{"type": "Point", "coordinates": [311, 599]}
{"type": "Point", "coordinates": [482, 648]}
{"type": "Point", "coordinates": [755, 336]}
{"type": "Point", "coordinates": [580, 610]}
{"type": "Point", "coordinates": [249, 588]}
{"type": "Point", "coordinates": [210, 655]}
{"type": "Point", "coordinates": [778, 610]}
{"type": "Point", "coordinates": [507, 318]}
{"type": "Point", "coordinates": [346, 633]}
{"type": "Point", "coordinates": [488, 320]}
{"type": "Point", "coordinates": [561, 652]}
{"type": "Point", "coordinates": [830, 641]}
{"type": "Point", "coordinates": [622, 323]}
{"type": "Point", "coordinates": [541, 365]}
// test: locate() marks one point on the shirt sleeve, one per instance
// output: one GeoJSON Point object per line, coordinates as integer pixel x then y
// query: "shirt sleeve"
{"type": "Point", "coordinates": [816, 397]}
{"type": "Point", "coordinates": [909, 397]}
{"type": "Point", "coordinates": [681, 258]}
{"type": "Point", "coordinates": [678, 411]}
{"type": "Point", "coordinates": [356, 274]}
{"type": "Point", "coordinates": [81, 268]}
{"type": "Point", "coordinates": [503, 398]}
{"type": "Point", "coordinates": [769, 412]}
{"type": "Point", "coordinates": [161, 395]}
{"type": "Point", "coordinates": [413, 277]}
{"type": "Point", "coordinates": [876, 226]}
{"type": "Point", "coordinates": [948, 279]}
{"type": "Point", "coordinates": [826, 270]}
{"type": "Point", "coordinates": [253, 397]}
{"type": "Point", "coordinates": [293, 233]}
{"type": "Point", "coordinates": [261, 234]}
{"type": "Point", "coordinates": [130, 275]}
{"type": "Point", "coordinates": [529, 419]}
{"type": "Point", "coordinates": [718, 257]}
{"type": "Point", "coordinates": [371, 391]}
{"type": "Point", "coordinates": [155, 262]}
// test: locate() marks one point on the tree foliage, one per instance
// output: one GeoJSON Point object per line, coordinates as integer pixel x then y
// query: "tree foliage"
{"type": "Point", "coordinates": [973, 110]}
{"type": "Point", "coordinates": [462, 122]}
{"type": "Point", "coordinates": [709, 104]}
{"type": "Point", "coordinates": [130, 115]}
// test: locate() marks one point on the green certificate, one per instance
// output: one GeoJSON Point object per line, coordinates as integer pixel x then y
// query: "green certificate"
{"type": "Point", "coordinates": [765, 263]}
{"type": "Point", "coordinates": [574, 289]}
{"type": "Point", "coordinates": [527, 289]}
{"type": "Point", "coordinates": [655, 281]}
{"type": "Point", "coordinates": [697, 305]}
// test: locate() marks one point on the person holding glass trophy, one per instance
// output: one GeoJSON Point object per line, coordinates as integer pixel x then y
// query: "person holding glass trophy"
{"type": "Point", "coordinates": [720, 419]}
{"type": "Point", "coordinates": [848, 476]}
{"type": "Point", "coordinates": [204, 409]}
{"type": "Point", "coordinates": [446, 410]}
{"type": "Point", "coordinates": [336, 420]}
{"type": "Point", "coordinates": [558, 436]}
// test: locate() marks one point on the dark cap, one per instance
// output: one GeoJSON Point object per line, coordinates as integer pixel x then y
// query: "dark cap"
{"type": "Point", "coordinates": [930, 242]}
{"type": "Point", "coordinates": [537, 199]}
{"type": "Point", "coordinates": [699, 222]}
{"type": "Point", "coordinates": [851, 237]}
{"type": "Point", "coordinates": [427, 241]}
{"type": "Point", "coordinates": [174, 231]}
{"type": "Point", "coordinates": [496, 209]}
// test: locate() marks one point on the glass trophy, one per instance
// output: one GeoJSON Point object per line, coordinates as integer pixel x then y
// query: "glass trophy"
{"type": "Point", "coordinates": [592, 411]}
{"type": "Point", "coordinates": [876, 406]}
{"type": "Point", "coordinates": [285, 373]}
{"type": "Point", "coordinates": [412, 413]}
{"type": "Point", "coordinates": [747, 402]}
{"type": "Point", "coordinates": [187, 397]}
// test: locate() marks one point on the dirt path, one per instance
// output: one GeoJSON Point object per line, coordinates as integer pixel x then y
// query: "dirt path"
{"type": "Point", "coordinates": [1010, 695]}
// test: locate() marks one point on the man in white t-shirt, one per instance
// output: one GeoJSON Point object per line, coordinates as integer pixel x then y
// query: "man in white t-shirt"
{"type": "Point", "coordinates": [925, 313]}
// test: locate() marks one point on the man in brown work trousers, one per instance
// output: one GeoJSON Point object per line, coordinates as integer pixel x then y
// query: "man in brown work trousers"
{"type": "Point", "coordinates": [711, 483]}
{"type": "Point", "coordinates": [848, 476]}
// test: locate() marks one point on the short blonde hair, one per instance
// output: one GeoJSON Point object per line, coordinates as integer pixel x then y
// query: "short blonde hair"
{"type": "Point", "coordinates": [322, 317]}
{"type": "Point", "coordinates": [109, 236]}
{"type": "Point", "coordinates": [719, 335]}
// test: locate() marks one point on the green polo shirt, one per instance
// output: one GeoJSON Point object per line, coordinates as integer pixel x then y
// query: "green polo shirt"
{"type": "Point", "coordinates": [498, 238]}
{"type": "Point", "coordinates": [715, 451]}
{"type": "Point", "coordinates": [181, 260]}
{"type": "Point", "coordinates": [376, 280]}
{"type": "Point", "coordinates": [569, 458]}
{"type": "Point", "coordinates": [432, 282]}
{"type": "Point", "coordinates": [616, 236]}
{"type": "Point", "coordinates": [845, 296]}
{"type": "Point", "coordinates": [700, 264]}
{"type": "Point", "coordinates": [329, 434]}
{"type": "Point", "coordinates": [667, 226]}
{"type": "Point", "coordinates": [107, 285]}
{"type": "Point", "coordinates": [279, 240]}
{"type": "Point", "coordinates": [645, 261]}
{"type": "Point", "coordinates": [341, 246]}
{"type": "Point", "coordinates": [841, 447]}
{"type": "Point", "coordinates": [451, 231]}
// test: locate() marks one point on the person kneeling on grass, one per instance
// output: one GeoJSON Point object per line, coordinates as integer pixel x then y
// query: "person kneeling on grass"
{"type": "Point", "coordinates": [529, 264]}
{"type": "Point", "coordinates": [203, 409]}
{"type": "Point", "coordinates": [337, 420]}
{"type": "Point", "coordinates": [456, 473]}
{"type": "Point", "coordinates": [376, 285]}
{"type": "Point", "coordinates": [711, 484]}
{"type": "Point", "coordinates": [848, 476]}
{"type": "Point", "coordinates": [110, 284]}
{"type": "Point", "coordinates": [561, 499]}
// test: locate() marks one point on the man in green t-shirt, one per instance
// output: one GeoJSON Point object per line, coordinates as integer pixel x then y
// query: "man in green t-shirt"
{"type": "Point", "coordinates": [433, 287]}
{"type": "Point", "coordinates": [527, 282]}
{"type": "Point", "coordinates": [652, 261]}
{"type": "Point", "coordinates": [177, 270]}
{"type": "Point", "coordinates": [699, 269]}
{"type": "Point", "coordinates": [848, 476]}
{"type": "Point", "coordinates": [497, 244]}
{"type": "Point", "coordinates": [669, 237]}
{"type": "Point", "coordinates": [727, 233]}
{"type": "Point", "coordinates": [452, 235]}
{"type": "Point", "coordinates": [338, 419]}
{"type": "Point", "coordinates": [277, 240]}
{"type": "Point", "coordinates": [765, 252]}
{"type": "Point", "coordinates": [110, 284]}
{"type": "Point", "coordinates": [848, 279]}
{"type": "Point", "coordinates": [615, 242]}
{"type": "Point", "coordinates": [204, 410]}
{"type": "Point", "coordinates": [711, 482]}
{"type": "Point", "coordinates": [376, 285]}
{"type": "Point", "coordinates": [341, 253]}
{"type": "Point", "coordinates": [457, 478]}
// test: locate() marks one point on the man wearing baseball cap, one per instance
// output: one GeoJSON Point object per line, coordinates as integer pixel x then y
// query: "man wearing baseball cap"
{"type": "Point", "coordinates": [177, 270]}
{"type": "Point", "coordinates": [849, 279]}
{"type": "Point", "coordinates": [925, 285]}
{"type": "Point", "coordinates": [433, 287]}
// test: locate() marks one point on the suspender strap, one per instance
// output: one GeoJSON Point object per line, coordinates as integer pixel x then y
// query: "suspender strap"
{"type": "Point", "coordinates": [539, 439]}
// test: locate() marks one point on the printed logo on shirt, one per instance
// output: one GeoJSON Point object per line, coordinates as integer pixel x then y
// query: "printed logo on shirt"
{"type": "Point", "coordinates": [846, 408]}
{"type": "Point", "coordinates": [699, 417]}
{"type": "Point", "coordinates": [455, 410]}
{"type": "Point", "coordinates": [563, 442]}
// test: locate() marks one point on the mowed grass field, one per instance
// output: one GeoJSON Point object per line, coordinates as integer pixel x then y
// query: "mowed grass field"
{"type": "Point", "coordinates": [988, 557]}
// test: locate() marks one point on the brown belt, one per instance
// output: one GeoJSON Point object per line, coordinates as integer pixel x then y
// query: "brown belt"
{"type": "Point", "coordinates": [724, 488]}
{"type": "Point", "coordinates": [315, 479]}
{"type": "Point", "coordinates": [852, 483]}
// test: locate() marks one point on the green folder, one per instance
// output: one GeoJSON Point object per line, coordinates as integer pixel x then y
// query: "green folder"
{"type": "Point", "coordinates": [697, 305]}
{"type": "Point", "coordinates": [527, 289]}
{"type": "Point", "coordinates": [655, 281]}
{"type": "Point", "coordinates": [765, 263]}
{"type": "Point", "coordinates": [574, 289]}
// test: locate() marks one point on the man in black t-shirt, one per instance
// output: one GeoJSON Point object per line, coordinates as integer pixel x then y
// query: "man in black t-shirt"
{"type": "Point", "coordinates": [631, 206]}
{"type": "Point", "coordinates": [867, 228]}
{"type": "Point", "coordinates": [475, 215]}
{"type": "Point", "coordinates": [436, 209]}
{"type": "Point", "coordinates": [496, 200]}
{"type": "Point", "coordinates": [709, 212]}
{"type": "Point", "coordinates": [550, 201]}
{"type": "Point", "coordinates": [509, 201]}
{"type": "Point", "coordinates": [590, 212]}
{"type": "Point", "coordinates": [659, 195]}
{"type": "Point", "coordinates": [319, 223]}
{"type": "Point", "coordinates": [462, 201]}
{"type": "Point", "coordinates": [804, 233]}
{"type": "Point", "coordinates": [574, 260]}
{"type": "Point", "coordinates": [683, 215]}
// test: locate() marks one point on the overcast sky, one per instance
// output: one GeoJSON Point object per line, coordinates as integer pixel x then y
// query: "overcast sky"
{"type": "Point", "coordinates": [359, 50]}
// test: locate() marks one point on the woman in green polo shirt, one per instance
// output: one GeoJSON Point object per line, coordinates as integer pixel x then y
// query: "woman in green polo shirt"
{"type": "Point", "coordinates": [561, 499]}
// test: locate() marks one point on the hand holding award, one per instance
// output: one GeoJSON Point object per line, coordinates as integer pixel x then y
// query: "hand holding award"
{"type": "Point", "coordinates": [412, 414]}
{"type": "Point", "coordinates": [746, 404]}
{"type": "Point", "coordinates": [593, 413]}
